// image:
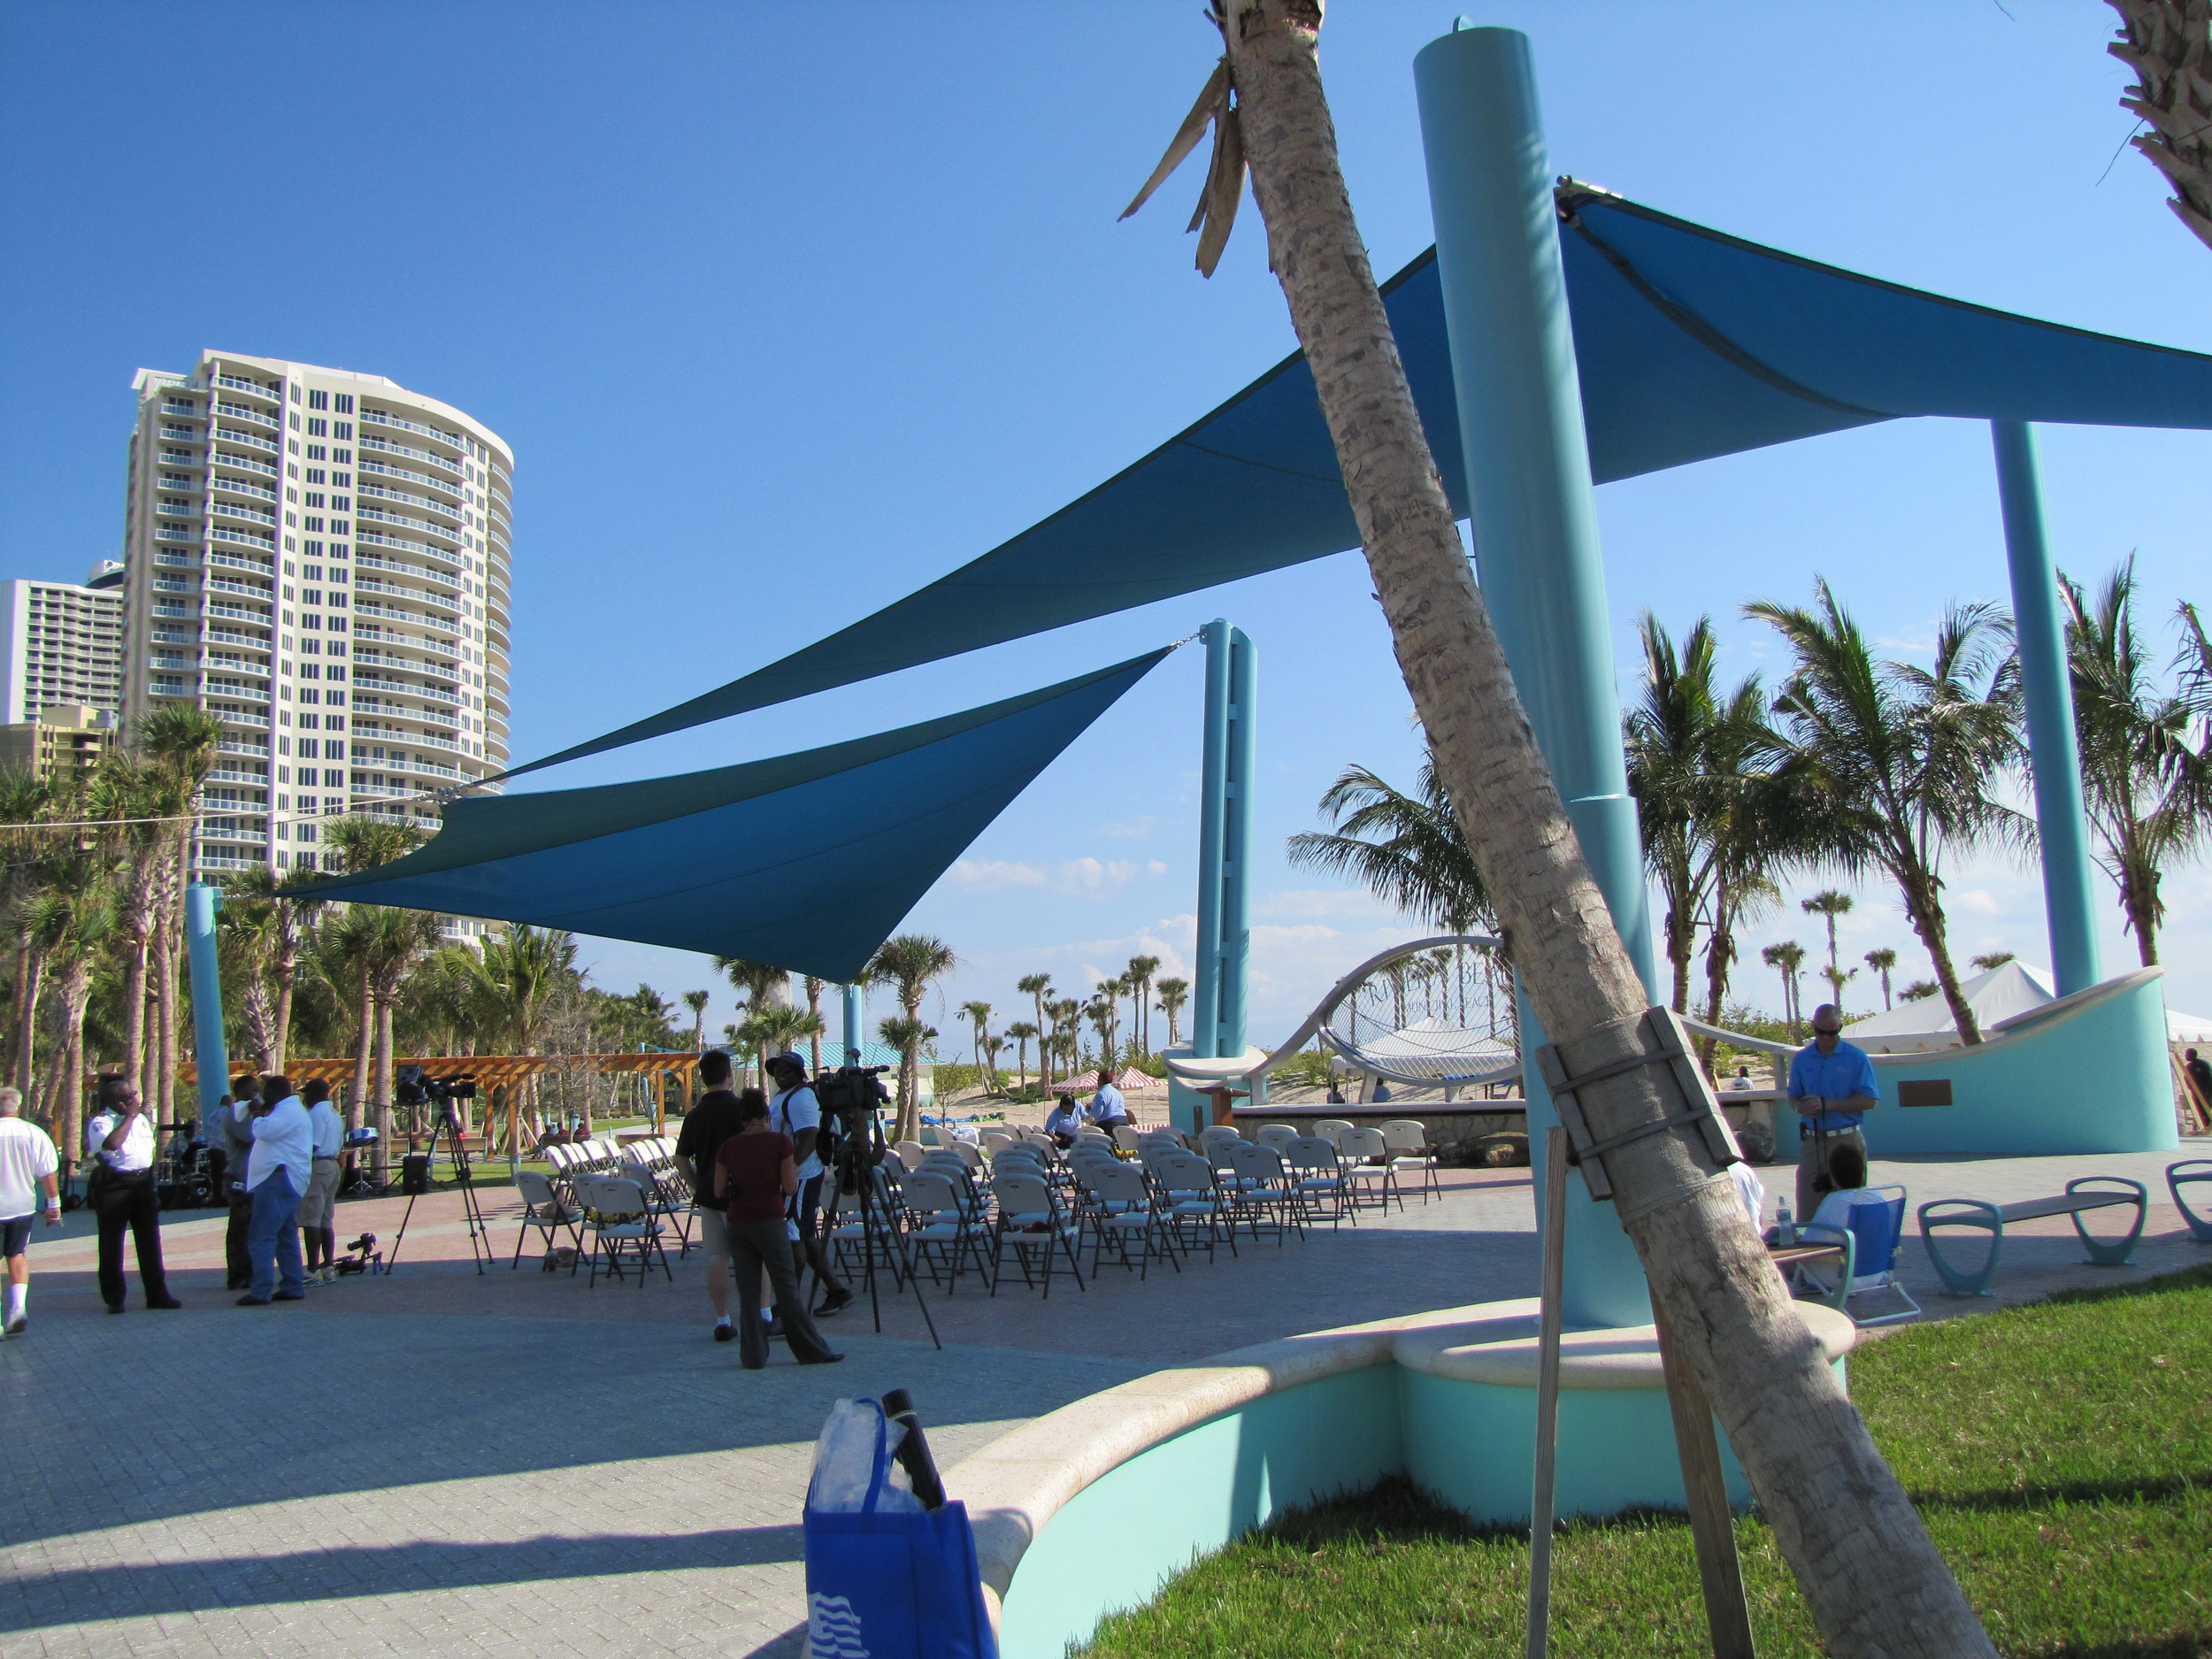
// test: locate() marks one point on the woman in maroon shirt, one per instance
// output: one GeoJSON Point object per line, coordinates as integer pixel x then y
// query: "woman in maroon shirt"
{"type": "Point", "coordinates": [754, 1176]}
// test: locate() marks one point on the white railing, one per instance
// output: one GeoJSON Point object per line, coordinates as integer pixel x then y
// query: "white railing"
{"type": "Point", "coordinates": [260, 442]}
{"type": "Point", "coordinates": [239, 612]}
{"type": "Point", "coordinates": [238, 562]}
{"type": "Point", "coordinates": [380, 418]}
{"type": "Point", "coordinates": [231, 509]}
{"type": "Point", "coordinates": [255, 386]}
{"type": "Point", "coordinates": [239, 486]}
{"type": "Point", "coordinates": [179, 431]}
{"type": "Point", "coordinates": [224, 584]}
{"type": "Point", "coordinates": [246, 461]}
{"type": "Point", "coordinates": [380, 445]}
{"type": "Point", "coordinates": [240, 411]}
{"type": "Point", "coordinates": [176, 535]}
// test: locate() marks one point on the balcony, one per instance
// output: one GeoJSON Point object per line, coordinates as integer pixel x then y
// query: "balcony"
{"type": "Point", "coordinates": [173, 664]}
{"type": "Point", "coordinates": [185, 433]}
{"type": "Point", "coordinates": [378, 418]}
{"type": "Point", "coordinates": [223, 774]}
{"type": "Point", "coordinates": [262, 567]}
{"type": "Point", "coordinates": [240, 487]}
{"type": "Point", "coordinates": [239, 611]}
{"type": "Point", "coordinates": [225, 585]}
{"type": "Point", "coordinates": [240, 412]}
{"type": "Point", "coordinates": [247, 463]}
{"type": "Point", "coordinates": [242, 717]}
{"type": "Point", "coordinates": [231, 509]}
{"type": "Point", "coordinates": [166, 535]}
{"type": "Point", "coordinates": [255, 386]}
{"type": "Point", "coordinates": [233, 435]}
{"type": "Point", "coordinates": [171, 585]}
{"type": "Point", "coordinates": [179, 611]}
{"type": "Point", "coordinates": [238, 746]}
{"type": "Point", "coordinates": [236, 688]}
{"type": "Point", "coordinates": [383, 447]}
{"type": "Point", "coordinates": [182, 561]}
{"type": "Point", "coordinates": [236, 665]}
{"type": "Point", "coordinates": [184, 407]}
{"type": "Point", "coordinates": [260, 543]}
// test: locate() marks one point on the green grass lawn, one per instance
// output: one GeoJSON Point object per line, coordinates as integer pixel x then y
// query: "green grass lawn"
{"type": "Point", "coordinates": [2061, 1454]}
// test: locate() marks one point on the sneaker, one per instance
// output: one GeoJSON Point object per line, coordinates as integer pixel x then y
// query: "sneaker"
{"type": "Point", "coordinates": [725, 1332]}
{"type": "Point", "coordinates": [834, 1304]}
{"type": "Point", "coordinates": [243, 1301]}
{"type": "Point", "coordinates": [16, 1325]}
{"type": "Point", "coordinates": [775, 1330]}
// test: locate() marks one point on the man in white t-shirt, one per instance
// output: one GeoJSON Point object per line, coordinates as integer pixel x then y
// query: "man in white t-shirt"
{"type": "Point", "coordinates": [317, 1219]}
{"type": "Point", "coordinates": [119, 1145]}
{"type": "Point", "coordinates": [793, 1110]}
{"type": "Point", "coordinates": [29, 1166]}
{"type": "Point", "coordinates": [277, 1175]}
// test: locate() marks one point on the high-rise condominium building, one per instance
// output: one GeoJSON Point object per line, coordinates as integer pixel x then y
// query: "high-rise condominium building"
{"type": "Point", "coordinates": [61, 643]}
{"type": "Point", "coordinates": [322, 559]}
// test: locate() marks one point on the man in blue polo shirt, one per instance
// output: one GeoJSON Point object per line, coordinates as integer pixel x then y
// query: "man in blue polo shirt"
{"type": "Point", "coordinates": [1831, 1084]}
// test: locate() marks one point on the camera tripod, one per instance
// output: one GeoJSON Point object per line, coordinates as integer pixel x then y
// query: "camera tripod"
{"type": "Point", "coordinates": [480, 1230]}
{"type": "Point", "coordinates": [858, 1159]}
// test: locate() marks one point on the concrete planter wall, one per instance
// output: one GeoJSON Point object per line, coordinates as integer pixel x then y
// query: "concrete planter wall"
{"type": "Point", "coordinates": [1091, 1508]}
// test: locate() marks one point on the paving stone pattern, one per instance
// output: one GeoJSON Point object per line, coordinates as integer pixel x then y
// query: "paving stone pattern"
{"type": "Point", "coordinates": [443, 1462]}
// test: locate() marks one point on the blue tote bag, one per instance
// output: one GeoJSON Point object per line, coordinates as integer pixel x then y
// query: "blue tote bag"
{"type": "Point", "coordinates": [892, 1584]}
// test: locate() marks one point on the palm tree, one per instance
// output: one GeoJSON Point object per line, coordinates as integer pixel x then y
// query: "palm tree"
{"type": "Point", "coordinates": [1991, 960]}
{"type": "Point", "coordinates": [697, 1002]}
{"type": "Point", "coordinates": [139, 799]}
{"type": "Point", "coordinates": [979, 1017]}
{"type": "Point", "coordinates": [1902, 758]}
{"type": "Point", "coordinates": [1701, 764]}
{"type": "Point", "coordinates": [524, 978]}
{"type": "Point", "coordinates": [1021, 1031]}
{"type": "Point", "coordinates": [1140, 980]}
{"type": "Point", "coordinates": [776, 1026]}
{"type": "Point", "coordinates": [2148, 791]}
{"type": "Point", "coordinates": [1829, 904]}
{"type": "Point", "coordinates": [814, 985]}
{"type": "Point", "coordinates": [291, 920]}
{"type": "Point", "coordinates": [1037, 987]}
{"type": "Point", "coordinates": [26, 799]}
{"type": "Point", "coordinates": [762, 984]}
{"type": "Point", "coordinates": [1788, 958]}
{"type": "Point", "coordinates": [1173, 994]}
{"type": "Point", "coordinates": [1410, 850]}
{"type": "Point", "coordinates": [1882, 961]}
{"type": "Point", "coordinates": [180, 742]}
{"type": "Point", "coordinates": [2163, 42]}
{"type": "Point", "coordinates": [71, 919]}
{"type": "Point", "coordinates": [910, 963]}
{"type": "Point", "coordinates": [907, 1035]}
{"type": "Point", "coordinates": [1104, 1010]}
{"type": "Point", "coordinates": [1846, 1523]}
{"type": "Point", "coordinates": [396, 942]}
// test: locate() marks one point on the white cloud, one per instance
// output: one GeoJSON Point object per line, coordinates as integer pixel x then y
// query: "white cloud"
{"type": "Point", "coordinates": [1071, 876]}
{"type": "Point", "coordinates": [1134, 830]}
{"type": "Point", "coordinates": [1982, 902]}
{"type": "Point", "coordinates": [1352, 901]}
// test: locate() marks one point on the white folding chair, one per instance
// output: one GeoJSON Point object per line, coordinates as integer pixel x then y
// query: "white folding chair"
{"type": "Point", "coordinates": [1127, 1210]}
{"type": "Point", "coordinates": [619, 1218]}
{"type": "Point", "coordinates": [1277, 1135]}
{"type": "Point", "coordinates": [542, 1209]}
{"type": "Point", "coordinates": [1318, 1181]}
{"type": "Point", "coordinates": [941, 1227]}
{"type": "Point", "coordinates": [1367, 1167]}
{"type": "Point", "coordinates": [1191, 1198]}
{"type": "Point", "coordinates": [1029, 1218]}
{"type": "Point", "coordinates": [1264, 1194]}
{"type": "Point", "coordinates": [910, 1153]}
{"type": "Point", "coordinates": [1329, 1128]}
{"type": "Point", "coordinates": [1407, 1138]}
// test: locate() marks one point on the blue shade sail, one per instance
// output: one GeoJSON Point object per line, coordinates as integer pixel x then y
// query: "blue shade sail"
{"type": "Point", "coordinates": [807, 861]}
{"type": "Point", "coordinates": [1692, 344]}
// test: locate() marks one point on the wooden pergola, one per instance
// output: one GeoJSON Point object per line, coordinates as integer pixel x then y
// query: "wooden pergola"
{"type": "Point", "coordinates": [493, 1072]}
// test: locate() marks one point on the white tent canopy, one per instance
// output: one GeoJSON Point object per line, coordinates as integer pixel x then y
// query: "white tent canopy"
{"type": "Point", "coordinates": [1435, 1048]}
{"type": "Point", "coordinates": [2011, 988]}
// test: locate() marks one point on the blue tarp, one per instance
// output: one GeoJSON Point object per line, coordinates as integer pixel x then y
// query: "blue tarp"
{"type": "Point", "coordinates": [807, 861]}
{"type": "Point", "coordinates": [1691, 343]}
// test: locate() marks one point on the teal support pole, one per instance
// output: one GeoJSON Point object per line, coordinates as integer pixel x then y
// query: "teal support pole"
{"type": "Point", "coordinates": [1236, 849]}
{"type": "Point", "coordinates": [1535, 517]}
{"type": "Point", "coordinates": [203, 904]}
{"type": "Point", "coordinates": [2053, 749]}
{"type": "Point", "coordinates": [1213, 793]}
{"type": "Point", "coordinates": [856, 1022]}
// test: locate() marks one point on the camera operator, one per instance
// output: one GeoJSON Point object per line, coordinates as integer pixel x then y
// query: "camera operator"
{"type": "Point", "coordinates": [326, 1131]}
{"type": "Point", "coordinates": [277, 1174]}
{"type": "Point", "coordinates": [235, 1141]}
{"type": "Point", "coordinates": [797, 1113]}
{"type": "Point", "coordinates": [712, 1120]}
{"type": "Point", "coordinates": [121, 1189]}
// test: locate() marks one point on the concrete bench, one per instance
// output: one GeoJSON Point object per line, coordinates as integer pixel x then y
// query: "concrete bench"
{"type": "Point", "coordinates": [2190, 1172]}
{"type": "Point", "coordinates": [2082, 1195]}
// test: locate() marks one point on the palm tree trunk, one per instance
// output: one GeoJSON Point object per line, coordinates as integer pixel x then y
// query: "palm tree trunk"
{"type": "Point", "coordinates": [68, 1112]}
{"type": "Point", "coordinates": [135, 957]}
{"type": "Point", "coordinates": [1681, 939]}
{"type": "Point", "coordinates": [1926, 916]}
{"type": "Point", "coordinates": [2139, 897]}
{"type": "Point", "coordinates": [365, 1037]}
{"type": "Point", "coordinates": [1865, 1563]}
{"type": "Point", "coordinates": [30, 967]}
{"type": "Point", "coordinates": [286, 972]}
{"type": "Point", "coordinates": [380, 1086]}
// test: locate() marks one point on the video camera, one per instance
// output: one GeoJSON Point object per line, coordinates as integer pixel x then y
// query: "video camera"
{"type": "Point", "coordinates": [365, 1257]}
{"type": "Point", "coordinates": [413, 1088]}
{"type": "Point", "coordinates": [852, 1093]}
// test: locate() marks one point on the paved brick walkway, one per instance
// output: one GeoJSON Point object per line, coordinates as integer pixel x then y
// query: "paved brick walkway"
{"type": "Point", "coordinates": [436, 1463]}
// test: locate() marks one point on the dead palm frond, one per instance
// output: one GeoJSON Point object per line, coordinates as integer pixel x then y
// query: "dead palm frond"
{"type": "Point", "coordinates": [1216, 214]}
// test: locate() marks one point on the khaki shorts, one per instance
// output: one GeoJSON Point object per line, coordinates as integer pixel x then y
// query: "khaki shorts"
{"type": "Point", "coordinates": [714, 1234]}
{"type": "Point", "coordinates": [321, 1197]}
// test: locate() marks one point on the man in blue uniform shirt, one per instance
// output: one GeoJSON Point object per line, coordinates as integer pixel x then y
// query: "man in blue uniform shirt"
{"type": "Point", "coordinates": [1831, 1084]}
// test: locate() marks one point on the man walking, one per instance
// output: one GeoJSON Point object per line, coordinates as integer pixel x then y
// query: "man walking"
{"type": "Point", "coordinates": [277, 1174]}
{"type": "Point", "coordinates": [237, 1144]}
{"type": "Point", "coordinates": [29, 1168]}
{"type": "Point", "coordinates": [1831, 1085]}
{"type": "Point", "coordinates": [2200, 1079]}
{"type": "Point", "coordinates": [712, 1120]}
{"type": "Point", "coordinates": [327, 1135]}
{"type": "Point", "coordinates": [120, 1145]}
{"type": "Point", "coordinates": [797, 1114]}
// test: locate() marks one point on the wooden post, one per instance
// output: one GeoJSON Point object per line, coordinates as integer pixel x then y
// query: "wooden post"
{"type": "Point", "coordinates": [1705, 1487]}
{"type": "Point", "coordinates": [1554, 1293]}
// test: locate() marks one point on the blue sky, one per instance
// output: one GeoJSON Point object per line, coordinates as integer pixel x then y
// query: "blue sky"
{"type": "Point", "coordinates": [787, 310]}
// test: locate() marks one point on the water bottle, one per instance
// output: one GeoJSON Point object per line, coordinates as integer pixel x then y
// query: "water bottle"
{"type": "Point", "coordinates": [1785, 1229]}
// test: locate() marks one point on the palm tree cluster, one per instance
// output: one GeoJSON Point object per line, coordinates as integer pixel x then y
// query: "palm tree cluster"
{"type": "Point", "coordinates": [1853, 764]}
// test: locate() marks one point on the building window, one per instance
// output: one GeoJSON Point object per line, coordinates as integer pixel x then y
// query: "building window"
{"type": "Point", "coordinates": [315, 476]}
{"type": "Point", "coordinates": [314, 523]}
{"type": "Point", "coordinates": [319, 400]}
{"type": "Point", "coordinates": [345, 405]}
{"type": "Point", "coordinates": [306, 833]}
{"type": "Point", "coordinates": [317, 427]}
{"type": "Point", "coordinates": [334, 780]}
{"type": "Point", "coordinates": [296, 392]}
{"type": "Point", "coordinates": [295, 423]}
{"type": "Point", "coordinates": [344, 458]}
{"type": "Point", "coordinates": [310, 621]}
{"type": "Point", "coordinates": [341, 429]}
{"type": "Point", "coordinates": [314, 452]}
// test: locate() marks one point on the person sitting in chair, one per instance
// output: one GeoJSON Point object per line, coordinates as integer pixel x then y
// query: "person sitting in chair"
{"type": "Point", "coordinates": [1066, 1120]}
{"type": "Point", "coordinates": [1108, 1111]}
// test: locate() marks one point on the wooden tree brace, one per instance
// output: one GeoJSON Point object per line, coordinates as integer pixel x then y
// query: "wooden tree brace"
{"type": "Point", "coordinates": [1665, 1045]}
